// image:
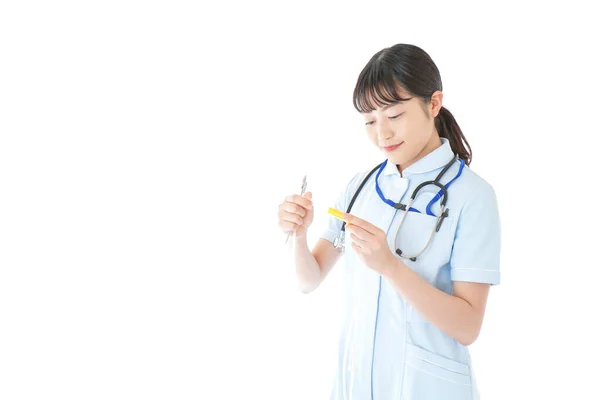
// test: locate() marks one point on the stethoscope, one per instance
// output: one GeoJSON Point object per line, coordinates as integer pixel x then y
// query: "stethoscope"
{"type": "Point", "coordinates": [339, 241]}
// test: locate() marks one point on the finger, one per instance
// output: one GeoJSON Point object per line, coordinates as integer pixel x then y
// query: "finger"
{"type": "Point", "coordinates": [288, 226]}
{"type": "Point", "coordinates": [365, 246]}
{"type": "Point", "coordinates": [294, 208]}
{"type": "Point", "coordinates": [291, 217]}
{"type": "Point", "coordinates": [303, 201]}
{"type": "Point", "coordinates": [358, 241]}
{"type": "Point", "coordinates": [357, 248]}
{"type": "Point", "coordinates": [360, 232]}
{"type": "Point", "coordinates": [367, 226]}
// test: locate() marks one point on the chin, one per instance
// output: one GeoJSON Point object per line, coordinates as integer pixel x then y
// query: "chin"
{"type": "Point", "coordinates": [396, 160]}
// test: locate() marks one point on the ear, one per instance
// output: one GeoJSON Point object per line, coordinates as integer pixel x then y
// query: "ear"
{"type": "Point", "coordinates": [436, 103]}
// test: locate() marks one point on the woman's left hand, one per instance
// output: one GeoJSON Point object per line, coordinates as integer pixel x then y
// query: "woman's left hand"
{"type": "Point", "coordinates": [370, 243]}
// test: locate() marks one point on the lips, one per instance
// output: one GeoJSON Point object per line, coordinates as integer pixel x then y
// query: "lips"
{"type": "Point", "coordinates": [392, 147]}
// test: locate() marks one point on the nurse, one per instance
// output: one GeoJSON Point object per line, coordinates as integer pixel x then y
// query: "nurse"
{"type": "Point", "coordinates": [416, 290]}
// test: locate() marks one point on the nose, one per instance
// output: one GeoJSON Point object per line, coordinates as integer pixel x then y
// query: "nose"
{"type": "Point", "coordinates": [384, 133]}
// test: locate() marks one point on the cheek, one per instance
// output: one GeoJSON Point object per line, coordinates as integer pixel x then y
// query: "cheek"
{"type": "Point", "coordinates": [372, 135]}
{"type": "Point", "coordinates": [415, 131]}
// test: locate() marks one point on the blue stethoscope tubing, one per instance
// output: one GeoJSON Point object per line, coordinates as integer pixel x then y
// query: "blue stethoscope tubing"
{"type": "Point", "coordinates": [443, 194]}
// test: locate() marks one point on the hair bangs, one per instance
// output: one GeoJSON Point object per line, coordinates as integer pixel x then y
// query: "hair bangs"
{"type": "Point", "coordinates": [376, 87]}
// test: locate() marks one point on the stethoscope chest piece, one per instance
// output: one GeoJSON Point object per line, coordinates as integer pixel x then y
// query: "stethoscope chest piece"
{"type": "Point", "coordinates": [339, 242]}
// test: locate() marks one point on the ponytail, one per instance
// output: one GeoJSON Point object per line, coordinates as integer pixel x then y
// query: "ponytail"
{"type": "Point", "coordinates": [448, 128]}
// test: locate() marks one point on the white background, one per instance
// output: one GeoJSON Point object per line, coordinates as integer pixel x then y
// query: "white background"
{"type": "Point", "coordinates": [145, 147]}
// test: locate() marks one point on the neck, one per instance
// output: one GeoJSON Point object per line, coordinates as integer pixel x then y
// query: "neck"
{"type": "Point", "coordinates": [433, 144]}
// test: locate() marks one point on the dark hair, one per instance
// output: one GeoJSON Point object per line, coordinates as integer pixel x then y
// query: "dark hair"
{"type": "Point", "coordinates": [411, 69]}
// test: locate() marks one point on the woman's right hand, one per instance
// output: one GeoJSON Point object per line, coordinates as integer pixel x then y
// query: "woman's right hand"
{"type": "Point", "coordinates": [296, 214]}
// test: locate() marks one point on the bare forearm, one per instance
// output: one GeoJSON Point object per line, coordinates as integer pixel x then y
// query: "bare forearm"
{"type": "Point", "coordinates": [308, 272]}
{"type": "Point", "coordinates": [451, 314]}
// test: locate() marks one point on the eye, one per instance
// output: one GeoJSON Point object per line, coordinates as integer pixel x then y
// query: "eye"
{"type": "Point", "coordinates": [393, 117]}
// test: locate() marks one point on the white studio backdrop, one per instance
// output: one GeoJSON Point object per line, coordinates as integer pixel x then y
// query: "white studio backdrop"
{"type": "Point", "coordinates": [145, 147]}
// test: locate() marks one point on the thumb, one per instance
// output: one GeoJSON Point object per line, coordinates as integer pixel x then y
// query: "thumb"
{"type": "Point", "coordinates": [308, 195]}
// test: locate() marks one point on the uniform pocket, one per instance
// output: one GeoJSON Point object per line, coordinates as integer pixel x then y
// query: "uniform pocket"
{"type": "Point", "coordinates": [430, 376]}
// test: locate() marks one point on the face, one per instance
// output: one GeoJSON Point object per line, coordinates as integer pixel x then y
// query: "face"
{"type": "Point", "coordinates": [405, 131]}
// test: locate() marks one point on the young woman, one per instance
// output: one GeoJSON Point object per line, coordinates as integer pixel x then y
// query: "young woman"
{"type": "Point", "coordinates": [422, 236]}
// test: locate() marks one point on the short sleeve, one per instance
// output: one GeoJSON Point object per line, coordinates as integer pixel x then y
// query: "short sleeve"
{"type": "Point", "coordinates": [334, 225]}
{"type": "Point", "coordinates": [476, 249]}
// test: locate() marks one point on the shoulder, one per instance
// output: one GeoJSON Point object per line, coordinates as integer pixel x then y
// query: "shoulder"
{"type": "Point", "coordinates": [361, 176]}
{"type": "Point", "coordinates": [354, 183]}
{"type": "Point", "coordinates": [474, 185]}
{"type": "Point", "coordinates": [475, 191]}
